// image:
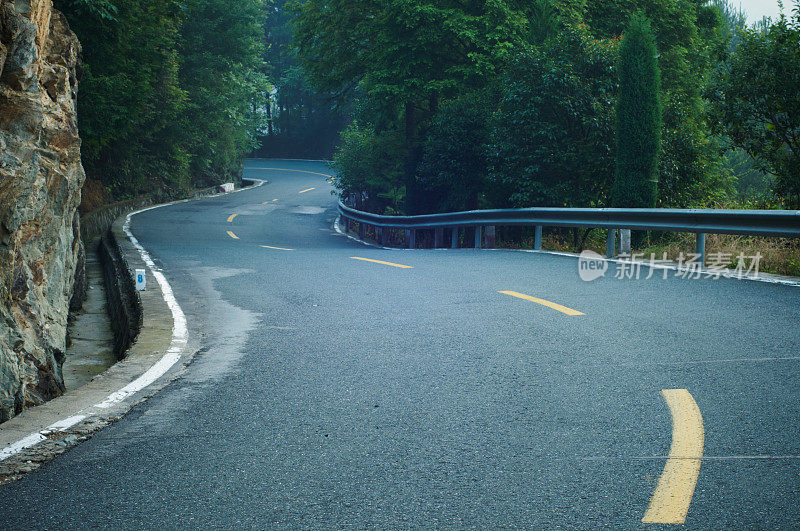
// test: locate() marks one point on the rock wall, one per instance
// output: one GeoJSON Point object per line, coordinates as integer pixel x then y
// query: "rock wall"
{"type": "Point", "coordinates": [40, 182]}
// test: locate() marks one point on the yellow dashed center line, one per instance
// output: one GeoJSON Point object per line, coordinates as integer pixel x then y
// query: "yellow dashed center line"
{"type": "Point", "coordinates": [553, 305]}
{"type": "Point", "coordinates": [673, 494]}
{"type": "Point", "coordinates": [276, 248]}
{"type": "Point", "coordinates": [382, 262]}
{"type": "Point", "coordinates": [306, 190]}
{"type": "Point", "coordinates": [232, 235]}
{"type": "Point", "coordinates": [232, 217]}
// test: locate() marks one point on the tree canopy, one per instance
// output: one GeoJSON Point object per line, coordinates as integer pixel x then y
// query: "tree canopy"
{"type": "Point", "coordinates": [443, 105]}
{"type": "Point", "coordinates": [168, 92]}
{"type": "Point", "coordinates": [758, 101]}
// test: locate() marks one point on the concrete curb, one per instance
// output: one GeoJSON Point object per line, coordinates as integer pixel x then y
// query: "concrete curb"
{"type": "Point", "coordinates": [160, 353]}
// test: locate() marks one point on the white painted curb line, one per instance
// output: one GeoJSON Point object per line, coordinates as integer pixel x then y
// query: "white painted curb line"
{"type": "Point", "coordinates": [180, 336]}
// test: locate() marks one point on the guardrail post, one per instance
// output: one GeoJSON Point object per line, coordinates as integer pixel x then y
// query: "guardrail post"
{"type": "Point", "coordinates": [412, 238]}
{"type": "Point", "coordinates": [700, 248]}
{"type": "Point", "coordinates": [454, 238]}
{"type": "Point", "coordinates": [537, 238]}
{"type": "Point", "coordinates": [362, 230]}
{"type": "Point", "coordinates": [384, 235]}
{"type": "Point", "coordinates": [489, 236]}
{"type": "Point", "coordinates": [478, 231]}
{"type": "Point", "coordinates": [624, 241]}
{"type": "Point", "coordinates": [438, 237]}
{"type": "Point", "coordinates": [611, 243]}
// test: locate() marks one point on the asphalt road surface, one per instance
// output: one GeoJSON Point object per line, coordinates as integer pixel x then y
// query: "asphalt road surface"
{"type": "Point", "coordinates": [336, 392]}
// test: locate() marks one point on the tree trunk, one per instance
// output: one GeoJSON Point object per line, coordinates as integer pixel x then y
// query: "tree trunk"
{"type": "Point", "coordinates": [270, 130]}
{"type": "Point", "coordinates": [411, 122]}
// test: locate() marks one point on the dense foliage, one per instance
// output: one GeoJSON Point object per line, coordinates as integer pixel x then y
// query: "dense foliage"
{"type": "Point", "coordinates": [553, 131]}
{"type": "Point", "coordinates": [510, 103]}
{"type": "Point", "coordinates": [758, 100]}
{"type": "Point", "coordinates": [302, 122]}
{"type": "Point", "coordinates": [169, 91]}
{"type": "Point", "coordinates": [638, 119]}
{"type": "Point", "coordinates": [446, 105]}
{"type": "Point", "coordinates": [402, 58]}
{"type": "Point", "coordinates": [454, 166]}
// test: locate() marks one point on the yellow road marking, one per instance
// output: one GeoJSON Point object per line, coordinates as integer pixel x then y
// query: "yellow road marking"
{"type": "Point", "coordinates": [232, 235]}
{"type": "Point", "coordinates": [268, 202]}
{"type": "Point", "coordinates": [276, 248]}
{"type": "Point", "coordinates": [298, 171]}
{"type": "Point", "coordinates": [673, 494]}
{"type": "Point", "coordinates": [232, 217]}
{"type": "Point", "coordinates": [553, 305]}
{"type": "Point", "coordinates": [306, 190]}
{"type": "Point", "coordinates": [381, 262]}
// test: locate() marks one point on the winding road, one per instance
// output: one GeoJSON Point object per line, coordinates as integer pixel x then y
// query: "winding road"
{"type": "Point", "coordinates": [344, 385]}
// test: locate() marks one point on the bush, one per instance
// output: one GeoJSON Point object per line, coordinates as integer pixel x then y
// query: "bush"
{"type": "Point", "coordinates": [370, 170]}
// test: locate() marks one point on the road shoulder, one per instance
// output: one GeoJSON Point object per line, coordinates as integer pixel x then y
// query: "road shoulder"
{"type": "Point", "coordinates": [161, 351]}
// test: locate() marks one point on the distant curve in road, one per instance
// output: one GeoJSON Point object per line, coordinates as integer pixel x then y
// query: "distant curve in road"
{"type": "Point", "coordinates": [337, 390]}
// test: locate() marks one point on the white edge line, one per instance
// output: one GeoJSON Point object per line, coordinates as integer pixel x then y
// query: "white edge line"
{"type": "Point", "coordinates": [180, 332]}
{"type": "Point", "coordinates": [178, 343]}
{"type": "Point", "coordinates": [337, 228]}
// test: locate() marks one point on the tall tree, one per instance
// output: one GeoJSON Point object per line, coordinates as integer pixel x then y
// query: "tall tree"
{"type": "Point", "coordinates": [688, 40]}
{"type": "Point", "coordinates": [223, 75]}
{"type": "Point", "coordinates": [639, 119]}
{"type": "Point", "coordinates": [758, 101]}
{"type": "Point", "coordinates": [302, 122]}
{"type": "Point", "coordinates": [131, 103]}
{"type": "Point", "coordinates": [169, 91]}
{"type": "Point", "coordinates": [553, 130]}
{"type": "Point", "coordinates": [409, 51]}
{"type": "Point", "coordinates": [404, 57]}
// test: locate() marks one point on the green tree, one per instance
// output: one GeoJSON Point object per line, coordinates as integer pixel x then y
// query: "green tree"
{"type": "Point", "coordinates": [757, 99]}
{"type": "Point", "coordinates": [170, 91]}
{"type": "Point", "coordinates": [370, 168]}
{"type": "Point", "coordinates": [404, 57]}
{"type": "Point", "coordinates": [690, 41]}
{"type": "Point", "coordinates": [131, 103]}
{"type": "Point", "coordinates": [638, 119]}
{"type": "Point", "coordinates": [410, 51]}
{"type": "Point", "coordinates": [454, 164]}
{"type": "Point", "coordinates": [553, 131]}
{"type": "Point", "coordinates": [301, 122]}
{"type": "Point", "coordinates": [223, 75]}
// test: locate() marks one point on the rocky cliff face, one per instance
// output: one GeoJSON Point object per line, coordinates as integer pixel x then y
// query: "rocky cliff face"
{"type": "Point", "coordinates": [40, 182]}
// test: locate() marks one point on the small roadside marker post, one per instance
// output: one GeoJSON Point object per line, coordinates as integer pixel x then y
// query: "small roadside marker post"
{"type": "Point", "coordinates": [141, 280]}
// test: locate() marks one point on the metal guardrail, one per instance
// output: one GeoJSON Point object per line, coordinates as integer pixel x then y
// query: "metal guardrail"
{"type": "Point", "coordinates": [781, 223]}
